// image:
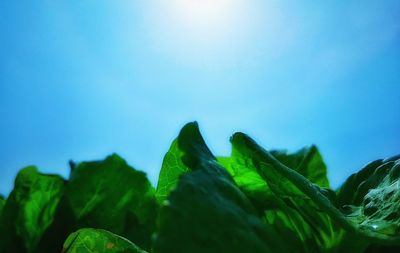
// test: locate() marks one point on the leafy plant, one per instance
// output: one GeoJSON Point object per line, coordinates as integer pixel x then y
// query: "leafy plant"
{"type": "Point", "coordinates": [252, 201]}
{"type": "Point", "coordinates": [29, 210]}
{"type": "Point", "coordinates": [2, 202]}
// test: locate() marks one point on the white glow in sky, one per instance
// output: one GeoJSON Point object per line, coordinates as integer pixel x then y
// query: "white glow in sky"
{"type": "Point", "coordinates": [199, 31]}
{"type": "Point", "coordinates": [202, 13]}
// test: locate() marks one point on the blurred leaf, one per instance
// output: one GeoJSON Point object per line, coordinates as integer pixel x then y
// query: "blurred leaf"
{"type": "Point", "coordinates": [2, 203]}
{"type": "Point", "coordinates": [29, 210]}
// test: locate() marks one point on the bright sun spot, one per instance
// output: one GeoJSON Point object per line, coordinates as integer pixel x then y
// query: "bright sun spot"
{"type": "Point", "coordinates": [216, 33]}
{"type": "Point", "coordinates": [202, 14]}
{"type": "Point", "coordinates": [201, 30]}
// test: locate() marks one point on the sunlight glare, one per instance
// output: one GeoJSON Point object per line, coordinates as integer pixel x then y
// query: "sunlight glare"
{"type": "Point", "coordinates": [201, 29]}
{"type": "Point", "coordinates": [203, 14]}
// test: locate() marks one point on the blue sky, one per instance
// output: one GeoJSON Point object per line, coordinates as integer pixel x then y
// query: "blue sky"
{"type": "Point", "coordinates": [82, 79]}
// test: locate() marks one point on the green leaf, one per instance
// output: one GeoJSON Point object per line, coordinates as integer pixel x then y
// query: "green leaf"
{"type": "Point", "coordinates": [207, 212]}
{"type": "Point", "coordinates": [308, 162]}
{"type": "Point", "coordinates": [98, 240]}
{"type": "Point", "coordinates": [172, 168]}
{"type": "Point", "coordinates": [371, 199]}
{"type": "Point", "coordinates": [253, 201]}
{"type": "Point", "coordinates": [291, 211]}
{"type": "Point", "coordinates": [2, 203]}
{"type": "Point", "coordinates": [109, 195]}
{"type": "Point", "coordinates": [360, 227]}
{"type": "Point", "coordinates": [240, 166]}
{"type": "Point", "coordinates": [29, 210]}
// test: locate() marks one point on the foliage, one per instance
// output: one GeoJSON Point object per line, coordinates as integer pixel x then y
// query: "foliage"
{"type": "Point", "coordinates": [29, 210]}
{"type": "Point", "coordinates": [252, 201]}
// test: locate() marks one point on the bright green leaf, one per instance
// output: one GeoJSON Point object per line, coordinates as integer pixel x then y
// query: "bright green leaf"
{"type": "Point", "coordinates": [240, 165]}
{"type": "Point", "coordinates": [172, 168]}
{"type": "Point", "coordinates": [290, 208]}
{"type": "Point", "coordinates": [241, 168]}
{"type": "Point", "coordinates": [89, 240]}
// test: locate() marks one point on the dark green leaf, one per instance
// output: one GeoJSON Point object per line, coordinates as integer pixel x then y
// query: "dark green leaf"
{"type": "Point", "coordinates": [371, 199]}
{"type": "Point", "coordinates": [88, 240]}
{"type": "Point", "coordinates": [357, 185]}
{"type": "Point", "coordinates": [109, 195]}
{"type": "Point", "coordinates": [2, 203]}
{"type": "Point", "coordinates": [29, 210]}
{"type": "Point", "coordinates": [207, 212]}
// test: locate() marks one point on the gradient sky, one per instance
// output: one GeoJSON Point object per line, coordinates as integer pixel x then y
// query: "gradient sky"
{"type": "Point", "coordinates": [82, 79]}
